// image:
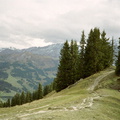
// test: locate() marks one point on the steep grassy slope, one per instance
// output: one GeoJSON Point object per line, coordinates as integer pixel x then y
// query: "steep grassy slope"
{"type": "Point", "coordinates": [94, 98]}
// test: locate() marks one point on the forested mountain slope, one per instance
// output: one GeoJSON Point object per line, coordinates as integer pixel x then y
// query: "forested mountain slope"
{"type": "Point", "coordinates": [23, 70]}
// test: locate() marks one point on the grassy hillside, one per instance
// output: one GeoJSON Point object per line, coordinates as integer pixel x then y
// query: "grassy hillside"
{"type": "Point", "coordinates": [94, 98]}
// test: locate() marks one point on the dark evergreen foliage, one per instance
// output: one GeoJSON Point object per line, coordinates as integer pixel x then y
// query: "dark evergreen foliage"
{"type": "Point", "coordinates": [92, 52]}
{"type": "Point", "coordinates": [1, 104]}
{"type": "Point", "coordinates": [8, 103]}
{"type": "Point", "coordinates": [107, 51]}
{"type": "Point", "coordinates": [35, 95]}
{"type": "Point", "coordinates": [19, 99]}
{"type": "Point", "coordinates": [98, 52]}
{"type": "Point", "coordinates": [81, 61]}
{"type": "Point", "coordinates": [95, 55]}
{"type": "Point", "coordinates": [47, 89]}
{"type": "Point", "coordinates": [74, 54]}
{"type": "Point", "coordinates": [28, 97]}
{"type": "Point", "coordinates": [68, 67]}
{"type": "Point", "coordinates": [23, 98]}
{"type": "Point", "coordinates": [64, 68]}
{"type": "Point", "coordinates": [39, 92]}
{"type": "Point", "coordinates": [117, 71]}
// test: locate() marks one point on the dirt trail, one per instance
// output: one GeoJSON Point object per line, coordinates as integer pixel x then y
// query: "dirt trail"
{"type": "Point", "coordinates": [87, 102]}
{"type": "Point", "coordinates": [97, 80]}
{"type": "Point", "coordinates": [37, 108]}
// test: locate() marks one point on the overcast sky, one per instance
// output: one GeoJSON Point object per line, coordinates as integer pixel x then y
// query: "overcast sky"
{"type": "Point", "coordinates": [28, 23]}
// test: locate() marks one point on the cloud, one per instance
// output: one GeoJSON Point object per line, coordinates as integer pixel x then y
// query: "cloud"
{"type": "Point", "coordinates": [27, 23]}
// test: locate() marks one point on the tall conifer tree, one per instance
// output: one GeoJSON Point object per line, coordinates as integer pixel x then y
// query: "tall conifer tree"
{"type": "Point", "coordinates": [117, 71]}
{"type": "Point", "coordinates": [23, 99]}
{"type": "Point", "coordinates": [94, 53]}
{"type": "Point", "coordinates": [28, 97]}
{"type": "Point", "coordinates": [74, 53]}
{"type": "Point", "coordinates": [45, 90]}
{"type": "Point", "coordinates": [8, 103]}
{"type": "Point", "coordinates": [81, 62]}
{"type": "Point", "coordinates": [107, 51]}
{"type": "Point", "coordinates": [39, 91]}
{"type": "Point", "coordinates": [63, 73]}
{"type": "Point", "coordinates": [90, 55]}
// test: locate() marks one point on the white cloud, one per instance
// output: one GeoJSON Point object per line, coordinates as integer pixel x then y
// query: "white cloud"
{"type": "Point", "coordinates": [26, 23]}
{"type": "Point", "coordinates": [17, 42]}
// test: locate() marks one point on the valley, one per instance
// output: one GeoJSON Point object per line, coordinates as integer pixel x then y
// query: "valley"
{"type": "Point", "coordinates": [23, 70]}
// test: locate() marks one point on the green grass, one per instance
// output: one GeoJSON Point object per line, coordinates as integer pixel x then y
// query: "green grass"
{"type": "Point", "coordinates": [52, 107]}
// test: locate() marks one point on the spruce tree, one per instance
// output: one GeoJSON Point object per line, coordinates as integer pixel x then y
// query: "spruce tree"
{"type": "Point", "coordinates": [63, 73]}
{"type": "Point", "coordinates": [28, 97]}
{"type": "Point", "coordinates": [117, 71]}
{"type": "Point", "coordinates": [98, 53]}
{"type": "Point", "coordinates": [74, 54]}
{"type": "Point", "coordinates": [95, 52]}
{"type": "Point", "coordinates": [8, 103]}
{"type": "Point", "coordinates": [107, 51]}
{"type": "Point", "coordinates": [98, 56]}
{"type": "Point", "coordinates": [111, 52]}
{"type": "Point", "coordinates": [18, 99]}
{"type": "Point", "coordinates": [54, 84]}
{"type": "Point", "coordinates": [13, 103]}
{"type": "Point", "coordinates": [81, 62]}
{"type": "Point", "coordinates": [39, 92]}
{"type": "Point", "coordinates": [46, 90]}
{"type": "Point", "coordinates": [1, 104]}
{"type": "Point", "coordinates": [111, 47]}
{"type": "Point", "coordinates": [35, 95]}
{"type": "Point", "coordinates": [23, 98]}
{"type": "Point", "coordinates": [90, 55]}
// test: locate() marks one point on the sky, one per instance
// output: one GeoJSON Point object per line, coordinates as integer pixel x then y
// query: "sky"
{"type": "Point", "coordinates": [30, 23]}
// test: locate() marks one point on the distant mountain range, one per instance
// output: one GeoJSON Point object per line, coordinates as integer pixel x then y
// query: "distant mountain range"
{"type": "Point", "coordinates": [51, 50]}
{"type": "Point", "coordinates": [23, 70]}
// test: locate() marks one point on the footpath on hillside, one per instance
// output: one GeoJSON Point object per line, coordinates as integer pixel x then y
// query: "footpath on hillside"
{"type": "Point", "coordinates": [98, 79]}
{"type": "Point", "coordinates": [87, 102]}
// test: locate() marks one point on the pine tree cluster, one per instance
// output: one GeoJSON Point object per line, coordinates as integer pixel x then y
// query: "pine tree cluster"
{"type": "Point", "coordinates": [19, 99]}
{"type": "Point", "coordinates": [95, 54]}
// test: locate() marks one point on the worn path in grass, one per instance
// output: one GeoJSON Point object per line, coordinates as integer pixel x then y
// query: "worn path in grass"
{"type": "Point", "coordinates": [98, 79]}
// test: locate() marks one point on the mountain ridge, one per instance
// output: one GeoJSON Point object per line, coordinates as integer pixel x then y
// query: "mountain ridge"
{"type": "Point", "coordinates": [45, 51]}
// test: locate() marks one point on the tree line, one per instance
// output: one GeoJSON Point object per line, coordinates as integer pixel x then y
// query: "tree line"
{"type": "Point", "coordinates": [93, 55]}
{"type": "Point", "coordinates": [22, 98]}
